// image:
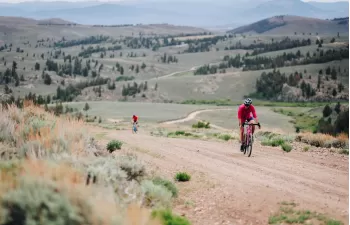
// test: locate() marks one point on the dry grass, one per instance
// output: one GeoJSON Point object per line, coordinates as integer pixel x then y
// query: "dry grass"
{"type": "Point", "coordinates": [38, 133]}
{"type": "Point", "coordinates": [49, 178]}
{"type": "Point", "coordinates": [324, 140]}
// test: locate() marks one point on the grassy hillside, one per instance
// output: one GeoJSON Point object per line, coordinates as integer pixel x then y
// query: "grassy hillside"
{"type": "Point", "coordinates": [156, 63]}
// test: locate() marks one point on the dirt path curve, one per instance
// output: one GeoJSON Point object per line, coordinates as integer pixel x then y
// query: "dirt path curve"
{"type": "Point", "coordinates": [229, 188]}
{"type": "Point", "coordinates": [174, 73]}
{"type": "Point", "coordinates": [193, 115]}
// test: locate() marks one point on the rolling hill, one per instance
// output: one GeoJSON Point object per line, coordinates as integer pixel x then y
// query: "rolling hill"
{"type": "Point", "coordinates": [193, 13]}
{"type": "Point", "coordinates": [291, 24]}
{"type": "Point", "coordinates": [294, 7]}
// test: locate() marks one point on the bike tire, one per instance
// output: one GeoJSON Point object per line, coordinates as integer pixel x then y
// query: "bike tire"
{"type": "Point", "coordinates": [250, 147]}
{"type": "Point", "coordinates": [245, 145]}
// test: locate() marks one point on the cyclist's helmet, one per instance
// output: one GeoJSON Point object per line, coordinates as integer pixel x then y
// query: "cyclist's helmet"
{"type": "Point", "coordinates": [248, 102]}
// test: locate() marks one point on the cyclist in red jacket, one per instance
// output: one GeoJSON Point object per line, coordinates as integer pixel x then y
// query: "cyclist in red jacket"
{"type": "Point", "coordinates": [247, 112]}
{"type": "Point", "coordinates": [134, 119]}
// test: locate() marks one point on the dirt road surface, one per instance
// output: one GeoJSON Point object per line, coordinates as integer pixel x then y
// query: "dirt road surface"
{"type": "Point", "coordinates": [229, 188]}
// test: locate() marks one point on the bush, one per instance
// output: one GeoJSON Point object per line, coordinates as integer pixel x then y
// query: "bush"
{"type": "Point", "coordinates": [179, 132]}
{"type": "Point", "coordinates": [201, 124]}
{"type": "Point", "coordinates": [323, 140]}
{"type": "Point", "coordinates": [182, 177]}
{"type": "Point", "coordinates": [225, 137]}
{"type": "Point", "coordinates": [273, 142]}
{"type": "Point", "coordinates": [113, 145]}
{"type": "Point", "coordinates": [167, 184]}
{"type": "Point", "coordinates": [134, 169]}
{"type": "Point", "coordinates": [155, 195]}
{"type": "Point", "coordinates": [286, 147]}
{"type": "Point", "coordinates": [306, 148]}
{"type": "Point", "coordinates": [168, 218]}
{"type": "Point", "coordinates": [344, 151]}
{"type": "Point", "coordinates": [33, 201]}
{"type": "Point", "coordinates": [107, 170]}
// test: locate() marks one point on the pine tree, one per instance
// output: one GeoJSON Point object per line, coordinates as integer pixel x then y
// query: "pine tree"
{"type": "Point", "coordinates": [86, 107]}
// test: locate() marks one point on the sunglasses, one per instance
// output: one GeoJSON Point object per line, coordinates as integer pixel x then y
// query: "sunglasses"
{"type": "Point", "coordinates": [246, 105]}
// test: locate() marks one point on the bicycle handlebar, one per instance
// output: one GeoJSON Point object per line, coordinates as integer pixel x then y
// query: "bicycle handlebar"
{"type": "Point", "coordinates": [251, 124]}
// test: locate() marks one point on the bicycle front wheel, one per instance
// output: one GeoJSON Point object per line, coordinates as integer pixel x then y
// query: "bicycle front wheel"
{"type": "Point", "coordinates": [249, 147]}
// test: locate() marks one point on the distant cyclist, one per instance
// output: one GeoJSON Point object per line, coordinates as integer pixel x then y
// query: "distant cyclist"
{"type": "Point", "coordinates": [134, 119]}
{"type": "Point", "coordinates": [246, 112]}
{"type": "Point", "coordinates": [134, 123]}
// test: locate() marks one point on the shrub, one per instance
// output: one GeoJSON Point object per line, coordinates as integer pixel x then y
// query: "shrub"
{"type": "Point", "coordinates": [168, 218]}
{"type": "Point", "coordinates": [34, 199]}
{"type": "Point", "coordinates": [306, 148]}
{"type": "Point", "coordinates": [273, 142]}
{"type": "Point", "coordinates": [323, 140]}
{"type": "Point", "coordinates": [134, 169]}
{"type": "Point", "coordinates": [106, 169]}
{"type": "Point", "coordinates": [167, 184]}
{"type": "Point", "coordinates": [344, 151]}
{"type": "Point", "coordinates": [201, 124]}
{"type": "Point", "coordinates": [40, 132]}
{"type": "Point", "coordinates": [179, 132]}
{"type": "Point", "coordinates": [286, 147]}
{"type": "Point", "coordinates": [113, 145]}
{"type": "Point", "coordinates": [7, 128]}
{"type": "Point", "coordinates": [182, 177]}
{"type": "Point", "coordinates": [155, 195]}
{"type": "Point", "coordinates": [225, 137]}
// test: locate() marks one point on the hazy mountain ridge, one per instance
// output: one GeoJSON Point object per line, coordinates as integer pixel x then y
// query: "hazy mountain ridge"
{"type": "Point", "coordinates": [291, 24]}
{"type": "Point", "coordinates": [193, 13]}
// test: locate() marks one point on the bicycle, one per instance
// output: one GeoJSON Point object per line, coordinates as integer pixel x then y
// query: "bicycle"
{"type": "Point", "coordinates": [248, 138]}
{"type": "Point", "coordinates": [134, 128]}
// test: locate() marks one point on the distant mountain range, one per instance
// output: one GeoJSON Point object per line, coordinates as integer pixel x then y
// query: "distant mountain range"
{"type": "Point", "coordinates": [290, 25]}
{"type": "Point", "coordinates": [191, 12]}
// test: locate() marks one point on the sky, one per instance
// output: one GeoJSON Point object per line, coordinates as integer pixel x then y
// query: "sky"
{"type": "Point", "coordinates": [16, 1]}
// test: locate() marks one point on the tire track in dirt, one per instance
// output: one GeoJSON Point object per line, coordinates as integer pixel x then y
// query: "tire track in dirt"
{"type": "Point", "coordinates": [246, 189]}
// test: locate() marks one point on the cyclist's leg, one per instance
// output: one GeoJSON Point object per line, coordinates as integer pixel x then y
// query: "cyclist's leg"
{"type": "Point", "coordinates": [242, 138]}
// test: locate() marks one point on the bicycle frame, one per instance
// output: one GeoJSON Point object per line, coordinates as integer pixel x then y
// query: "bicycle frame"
{"type": "Point", "coordinates": [134, 128]}
{"type": "Point", "coordinates": [247, 135]}
{"type": "Point", "coordinates": [248, 132]}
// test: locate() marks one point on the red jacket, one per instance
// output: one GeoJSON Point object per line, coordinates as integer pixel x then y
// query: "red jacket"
{"type": "Point", "coordinates": [244, 113]}
{"type": "Point", "coordinates": [135, 118]}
